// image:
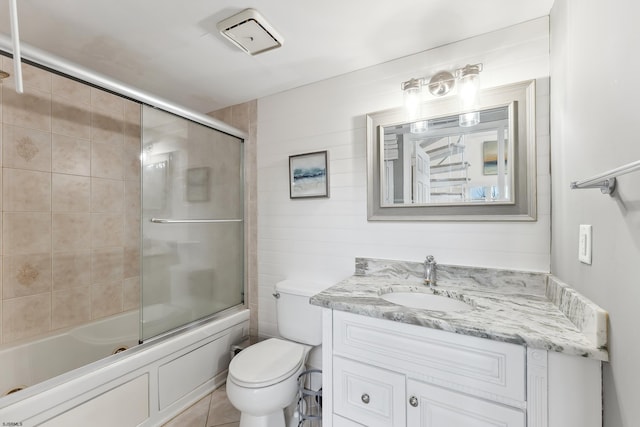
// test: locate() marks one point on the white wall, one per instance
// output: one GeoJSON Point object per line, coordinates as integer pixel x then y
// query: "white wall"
{"type": "Point", "coordinates": [318, 239]}
{"type": "Point", "coordinates": [594, 100]}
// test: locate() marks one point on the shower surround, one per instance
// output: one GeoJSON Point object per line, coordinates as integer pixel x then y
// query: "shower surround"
{"type": "Point", "coordinates": [70, 205]}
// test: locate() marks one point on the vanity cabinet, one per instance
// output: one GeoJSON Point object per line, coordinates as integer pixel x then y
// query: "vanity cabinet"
{"type": "Point", "coordinates": [384, 373]}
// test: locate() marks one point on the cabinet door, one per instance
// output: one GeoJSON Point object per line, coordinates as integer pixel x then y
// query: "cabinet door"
{"type": "Point", "coordinates": [432, 406]}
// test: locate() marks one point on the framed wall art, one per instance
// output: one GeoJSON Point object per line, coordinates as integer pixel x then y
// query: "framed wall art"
{"type": "Point", "coordinates": [309, 175]}
{"type": "Point", "coordinates": [490, 157]}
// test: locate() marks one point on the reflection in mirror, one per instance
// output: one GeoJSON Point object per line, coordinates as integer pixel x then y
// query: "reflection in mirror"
{"type": "Point", "coordinates": [439, 167]}
{"type": "Point", "coordinates": [440, 162]}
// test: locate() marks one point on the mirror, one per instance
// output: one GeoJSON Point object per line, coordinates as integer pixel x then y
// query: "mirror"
{"type": "Point", "coordinates": [436, 169]}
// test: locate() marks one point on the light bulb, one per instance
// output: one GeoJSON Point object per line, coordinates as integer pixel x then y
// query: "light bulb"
{"type": "Point", "coordinates": [468, 89]}
{"type": "Point", "coordinates": [421, 126]}
{"type": "Point", "coordinates": [412, 98]}
{"type": "Point", "coordinates": [466, 120]}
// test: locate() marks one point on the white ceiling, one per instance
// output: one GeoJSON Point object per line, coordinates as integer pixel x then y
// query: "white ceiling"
{"type": "Point", "coordinates": [172, 49]}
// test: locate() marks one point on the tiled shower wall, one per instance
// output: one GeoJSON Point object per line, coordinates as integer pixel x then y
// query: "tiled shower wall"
{"type": "Point", "coordinates": [245, 117]}
{"type": "Point", "coordinates": [70, 204]}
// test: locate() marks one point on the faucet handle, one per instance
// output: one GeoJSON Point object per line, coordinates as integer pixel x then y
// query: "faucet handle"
{"type": "Point", "coordinates": [430, 259]}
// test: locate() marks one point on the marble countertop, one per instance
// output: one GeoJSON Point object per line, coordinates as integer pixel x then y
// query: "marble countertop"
{"type": "Point", "coordinates": [530, 309]}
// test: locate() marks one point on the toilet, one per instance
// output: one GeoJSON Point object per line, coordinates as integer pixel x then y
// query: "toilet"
{"type": "Point", "coordinates": [263, 378]}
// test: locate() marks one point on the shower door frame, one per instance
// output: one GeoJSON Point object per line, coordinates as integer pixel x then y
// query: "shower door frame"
{"type": "Point", "coordinates": [243, 213]}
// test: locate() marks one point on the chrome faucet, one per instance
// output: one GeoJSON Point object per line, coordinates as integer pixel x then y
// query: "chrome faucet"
{"type": "Point", "coordinates": [430, 271]}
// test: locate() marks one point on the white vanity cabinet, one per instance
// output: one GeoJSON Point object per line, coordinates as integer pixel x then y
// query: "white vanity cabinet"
{"type": "Point", "coordinates": [384, 373]}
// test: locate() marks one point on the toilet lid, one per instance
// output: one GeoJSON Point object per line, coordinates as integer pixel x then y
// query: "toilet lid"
{"type": "Point", "coordinates": [267, 362]}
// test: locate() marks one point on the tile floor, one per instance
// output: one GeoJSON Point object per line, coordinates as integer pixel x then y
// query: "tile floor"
{"type": "Point", "coordinates": [212, 410]}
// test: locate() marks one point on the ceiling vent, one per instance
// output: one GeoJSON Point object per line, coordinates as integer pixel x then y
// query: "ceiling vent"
{"type": "Point", "coordinates": [250, 32]}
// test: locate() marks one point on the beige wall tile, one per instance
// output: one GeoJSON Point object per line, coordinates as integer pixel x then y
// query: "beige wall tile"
{"type": "Point", "coordinates": [131, 265]}
{"type": "Point", "coordinates": [70, 119]}
{"type": "Point", "coordinates": [106, 299]}
{"type": "Point", "coordinates": [105, 101]}
{"type": "Point", "coordinates": [240, 116]}
{"type": "Point", "coordinates": [54, 139]}
{"type": "Point", "coordinates": [32, 77]}
{"type": "Point", "coordinates": [131, 293]}
{"type": "Point", "coordinates": [70, 307]}
{"type": "Point", "coordinates": [107, 195]}
{"type": "Point", "coordinates": [76, 92]}
{"type": "Point", "coordinates": [107, 265]}
{"type": "Point", "coordinates": [71, 269]}
{"type": "Point", "coordinates": [71, 232]}
{"type": "Point", "coordinates": [26, 275]}
{"type": "Point", "coordinates": [132, 164]}
{"type": "Point", "coordinates": [70, 155]}
{"type": "Point", "coordinates": [24, 148]}
{"type": "Point", "coordinates": [24, 190]}
{"type": "Point", "coordinates": [107, 160]}
{"type": "Point", "coordinates": [32, 109]}
{"type": "Point", "coordinates": [25, 316]}
{"type": "Point", "coordinates": [26, 233]}
{"type": "Point", "coordinates": [131, 231]}
{"type": "Point", "coordinates": [106, 128]}
{"type": "Point", "coordinates": [132, 132]}
{"type": "Point", "coordinates": [106, 230]}
{"type": "Point", "coordinates": [132, 198]}
{"type": "Point", "coordinates": [70, 193]}
{"type": "Point", "coordinates": [237, 116]}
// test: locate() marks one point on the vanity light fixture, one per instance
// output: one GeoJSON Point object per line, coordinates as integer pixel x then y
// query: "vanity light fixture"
{"type": "Point", "coordinates": [440, 84]}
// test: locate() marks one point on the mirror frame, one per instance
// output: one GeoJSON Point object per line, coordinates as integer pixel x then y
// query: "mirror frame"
{"type": "Point", "coordinates": [520, 97]}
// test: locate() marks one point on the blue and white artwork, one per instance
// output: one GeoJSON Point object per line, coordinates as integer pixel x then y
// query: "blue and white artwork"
{"type": "Point", "coordinates": [308, 175]}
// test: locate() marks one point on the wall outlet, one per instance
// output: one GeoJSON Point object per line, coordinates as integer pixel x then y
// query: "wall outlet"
{"type": "Point", "coordinates": [584, 244]}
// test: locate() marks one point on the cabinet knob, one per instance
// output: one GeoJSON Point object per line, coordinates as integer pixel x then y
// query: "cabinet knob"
{"type": "Point", "coordinates": [413, 401]}
{"type": "Point", "coordinates": [365, 399]}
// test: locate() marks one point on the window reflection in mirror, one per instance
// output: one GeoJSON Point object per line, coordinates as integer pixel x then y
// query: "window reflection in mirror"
{"type": "Point", "coordinates": [434, 169]}
{"type": "Point", "coordinates": [437, 161]}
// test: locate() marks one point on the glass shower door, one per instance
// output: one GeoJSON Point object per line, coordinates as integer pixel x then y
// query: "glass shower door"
{"type": "Point", "coordinates": [192, 222]}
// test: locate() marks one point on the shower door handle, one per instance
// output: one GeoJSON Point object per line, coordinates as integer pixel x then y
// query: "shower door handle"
{"type": "Point", "coordinates": [192, 221]}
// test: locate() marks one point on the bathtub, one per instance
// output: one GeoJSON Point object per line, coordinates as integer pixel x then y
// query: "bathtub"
{"type": "Point", "coordinates": [49, 356]}
{"type": "Point", "coordinates": [146, 385]}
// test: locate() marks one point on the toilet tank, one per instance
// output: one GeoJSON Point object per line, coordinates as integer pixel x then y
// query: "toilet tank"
{"type": "Point", "coordinates": [297, 319]}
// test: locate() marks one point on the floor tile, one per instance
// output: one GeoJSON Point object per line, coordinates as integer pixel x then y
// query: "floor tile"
{"type": "Point", "coordinates": [194, 416]}
{"type": "Point", "coordinates": [221, 411]}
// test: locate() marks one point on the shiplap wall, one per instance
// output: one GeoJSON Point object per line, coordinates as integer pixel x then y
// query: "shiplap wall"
{"type": "Point", "coordinates": [318, 239]}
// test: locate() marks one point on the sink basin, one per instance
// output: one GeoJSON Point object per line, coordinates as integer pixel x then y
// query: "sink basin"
{"type": "Point", "coordinates": [426, 301]}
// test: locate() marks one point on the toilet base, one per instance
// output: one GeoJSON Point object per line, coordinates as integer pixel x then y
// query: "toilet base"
{"type": "Point", "coordinates": [275, 419]}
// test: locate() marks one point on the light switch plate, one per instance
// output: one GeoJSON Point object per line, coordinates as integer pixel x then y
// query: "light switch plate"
{"type": "Point", "coordinates": [584, 244]}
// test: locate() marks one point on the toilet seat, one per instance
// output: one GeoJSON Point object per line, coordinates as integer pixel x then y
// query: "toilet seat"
{"type": "Point", "coordinates": [266, 363]}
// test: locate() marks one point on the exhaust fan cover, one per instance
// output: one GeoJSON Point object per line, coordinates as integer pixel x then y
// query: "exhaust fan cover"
{"type": "Point", "coordinates": [250, 32]}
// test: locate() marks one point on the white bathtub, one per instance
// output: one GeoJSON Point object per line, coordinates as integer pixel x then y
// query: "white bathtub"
{"type": "Point", "coordinates": [146, 385]}
{"type": "Point", "coordinates": [49, 356]}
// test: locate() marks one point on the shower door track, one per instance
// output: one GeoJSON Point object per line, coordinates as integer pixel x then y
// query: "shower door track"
{"type": "Point", "coordinates": [60, 65]}
{"type": "Point", "coordinates": [192, 221]}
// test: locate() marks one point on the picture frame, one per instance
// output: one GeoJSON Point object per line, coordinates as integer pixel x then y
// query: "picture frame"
{"type": "Point", "coordinates": [198, 184]}
{"type": "Point", "coordinates": [490, 157]}
{"type": "Point", "coordinates": [309, 175]}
